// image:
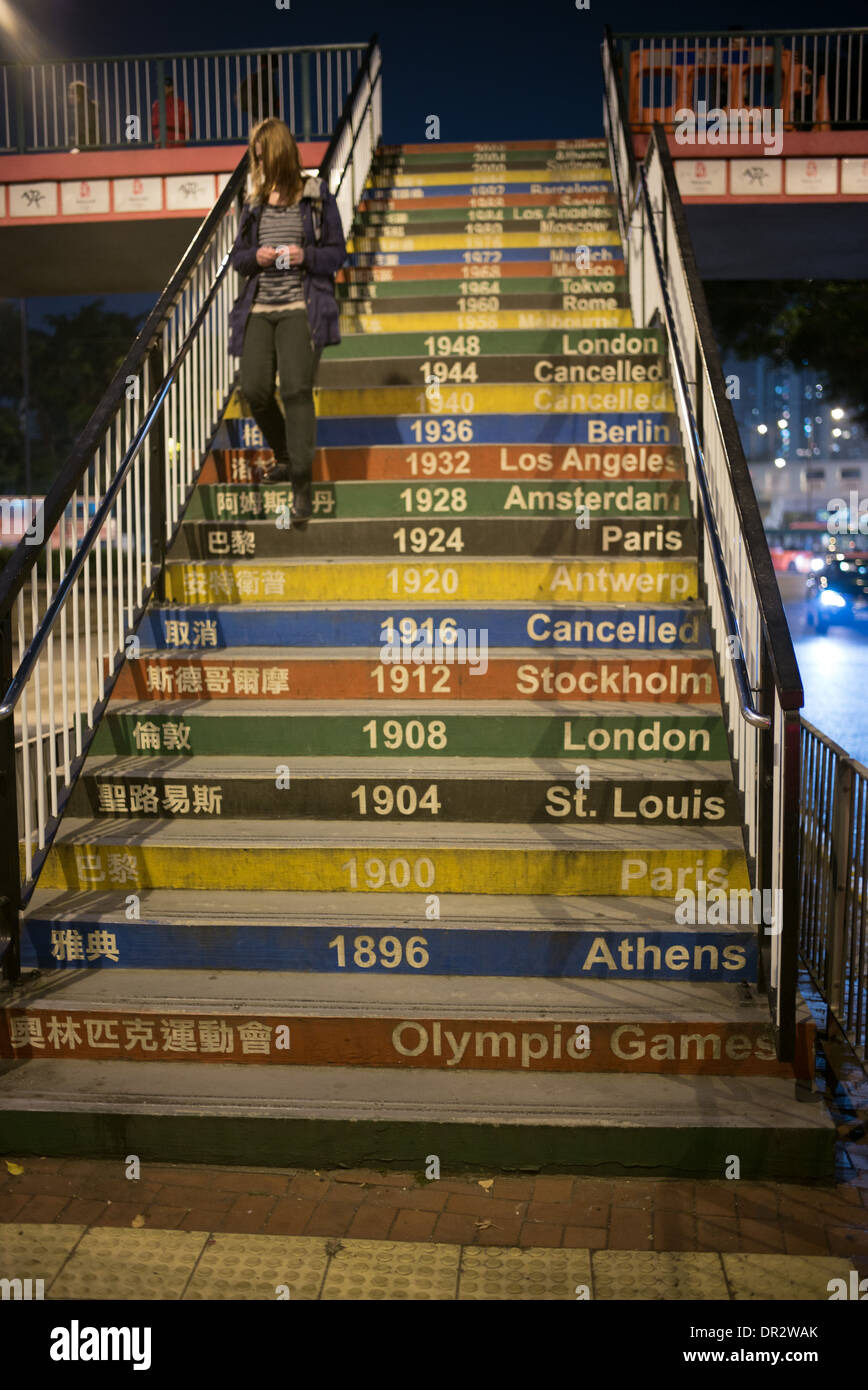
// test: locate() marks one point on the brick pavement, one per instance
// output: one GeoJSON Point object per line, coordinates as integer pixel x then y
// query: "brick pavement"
{"type": "Point", "coordinates": [533, 1211]}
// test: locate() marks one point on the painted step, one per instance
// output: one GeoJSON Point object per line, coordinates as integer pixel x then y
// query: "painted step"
{"type": "Point", "coordinates": [328, 856]}
{"type": "Point", "coordinates": [485, 301]}
{"type": "Point", "coordinates": [361, 933]}
{"type": "Point", "coordinates": [361, 729]}
{"type": "Point", "coordinates": [312, 1117]}
{"type": "Point", "coordinates": [464, 670]}
{"type": "Point", "coordinates": [501, 399]}
{"type": "Point", "coordinates": [395, 225]}
{"type": "Point", "coordinates": [555, 369]}
{"type": "Point", "coordinates": [600, 626]}
{"type": "Point", "coordinates": [652, 427]}
{"type": "Point", "coordinates": [551, 427]}
{"type": "Point", "coordinates": [508, 289]}
{"type": "Point", "coordinates": [601, 342]}
{"type": "Point", "coordinates": [668, 581]}
{"type": "Point", "coordinates": [488, 162]}
{"type": "Point", "coordinates": [296, 1018]}
{"type": "Point", "coordinates": [489, 498]}
{"type": "Point", "coordinates": [355, 286]}
{"type": "Point", "coordinates": [483, 182]}
{"type": "Point", "coordinates": [526, 217]}
{"type": "Point", "coordinates": [597, 176]}
{"type": "Point", "coordinates": [390, 462]}
{"type": "Point", "coordinates": [490, 536]}
{"type": "Point", "coordinates": [525, 185]}
{"type": "Point", "coordinates": [503, 319]}
{"type": "Point", "coordinates": [509, 270]}
{"type": "Point", "coordinates": [373, 241]}
{"type": "Point", "coordinates": [469, 146]}
{"type": "Point", "coordinates": [509, 789]}
{"type": "Point", "coordinates": [408, 200]}
{"type": "Point", "coordinates": [609, 257]}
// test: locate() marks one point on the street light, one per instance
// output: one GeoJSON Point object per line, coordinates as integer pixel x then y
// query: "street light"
{"type": "Point", "coordinates": [762, 429]}
{"type": "Point", "coordinates": [837, 413]}
{"type": "Point", "coordinates": [780, 463]}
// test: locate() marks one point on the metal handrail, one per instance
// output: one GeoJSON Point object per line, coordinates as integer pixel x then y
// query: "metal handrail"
{"type": "Point", "coordinates": [779, 642]}
{"type": "Point", "coordinates": [364, 69]}
{"type": "Point", "coordinates": [745, 694]}
{"type": "Point", "coordinates": [24, 558]}
{"type": "Point", "coordinates": [100, 516]}
{"type": "Point", "coordinates": [748, 709]}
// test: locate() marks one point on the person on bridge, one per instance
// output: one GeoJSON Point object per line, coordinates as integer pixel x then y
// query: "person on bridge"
{"type": "Point", "coordinates": [177, 118]}
{"type": "Point", "coordinates": [290, 245]}
{"type": "Point", "coordinates": [84, 119]}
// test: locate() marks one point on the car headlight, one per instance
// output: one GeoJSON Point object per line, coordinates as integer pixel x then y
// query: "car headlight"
{"type": "Point", "coordinates": [830, 599]}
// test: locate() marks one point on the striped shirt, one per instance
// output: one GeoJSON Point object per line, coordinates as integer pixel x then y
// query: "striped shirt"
{"type": "Point", "coordinates": [280, 287]}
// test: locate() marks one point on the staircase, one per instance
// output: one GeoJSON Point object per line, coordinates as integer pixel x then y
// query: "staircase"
{"type": "Point", "coordinates": [322, 896]}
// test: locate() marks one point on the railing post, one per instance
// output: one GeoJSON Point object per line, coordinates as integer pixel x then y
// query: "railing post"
{"type": "Point", "coordinates": [790, 771]}
{"type": "Point", "coordinates": [19, 107]}
{"type": "Point", "coordinates": [161, 98]}
{"type": "Point", "coordinates": [839, 852]}
{"type": "Point", "coordinates": [10, 872]}
{"type": "Point", "coordinates": [304, 59]}
{"type": "Point", "coordinates": [158, 479]}
{"type": "Point", "coordinates": [777, 80]}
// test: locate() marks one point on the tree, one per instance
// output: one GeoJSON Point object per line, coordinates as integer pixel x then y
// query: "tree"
{"type": "Point", "coordinates": [71, 365]}
{"type": "Point", "coordinates": [815, 323]}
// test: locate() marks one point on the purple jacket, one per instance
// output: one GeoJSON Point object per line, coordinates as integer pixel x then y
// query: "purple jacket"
{"type": "Point", "coordinates": [324, 254]}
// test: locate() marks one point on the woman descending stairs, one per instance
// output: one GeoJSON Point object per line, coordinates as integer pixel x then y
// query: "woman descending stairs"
{"type": "Point", "coordinates": [410, 823]}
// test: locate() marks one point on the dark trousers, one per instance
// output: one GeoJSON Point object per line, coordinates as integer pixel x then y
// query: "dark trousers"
{"type": "Point", "coordinates": [279, 345]}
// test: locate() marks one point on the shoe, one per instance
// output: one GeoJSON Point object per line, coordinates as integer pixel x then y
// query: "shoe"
{"type": "Point", "coordinates": [302, 507]}
{"type": "Point", "coordinates": [275, 472]}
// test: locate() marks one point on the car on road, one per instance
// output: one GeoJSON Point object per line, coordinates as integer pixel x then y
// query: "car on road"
{"type": "Point", "coordinates": [838, 593]}
{"type": "Point", "coordinates": [800, 548]}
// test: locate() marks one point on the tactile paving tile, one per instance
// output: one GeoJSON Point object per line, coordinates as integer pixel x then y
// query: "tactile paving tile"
{"type": "Point", "coordinates": [389, 1269]}
{"type": "Point", "coordinates": [657, 1274]}
{"type": "Point", "coordinates": [538, 1275]}
{"type": "Point", "coordinates": [245, 1267]}
{"type": "Point", "coordinates": [118, 1263]}
{"type": "Point", "coordinates": [803, 1277]}
{"type": "Point", "coordinates": [37, 1251]}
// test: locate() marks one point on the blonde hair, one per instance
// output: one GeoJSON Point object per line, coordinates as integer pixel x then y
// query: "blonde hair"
{"type": "Point", "coordinates": [280, 166]}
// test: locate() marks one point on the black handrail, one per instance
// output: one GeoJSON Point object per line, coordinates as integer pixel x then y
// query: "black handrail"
{"type": "Point", "coordinates": [776, 633]}
{"type": "Point", "coordinates": [71, 476]}
{"type": "Point", "coordinates": [742, 680]}
{"type": "Point", "coordinates": [779, 642]}
{"type": "Point", "coordinates": [624, 125]}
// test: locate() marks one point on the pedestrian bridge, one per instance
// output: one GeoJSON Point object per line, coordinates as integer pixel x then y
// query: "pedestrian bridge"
{"type": "Point", "coordinates": [477, 813]}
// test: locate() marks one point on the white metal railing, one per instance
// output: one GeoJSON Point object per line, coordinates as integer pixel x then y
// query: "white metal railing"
{"type": "Point", "coordinates": [818, 78]}
{"type": "Point", "coordinates": [351, 151]}
{"type": "Point", "coordinates": [760, 686]}
{"type": "Point", "coordinates": [70, 604]}
{"type": "Point", "coordinates": [215, 97]}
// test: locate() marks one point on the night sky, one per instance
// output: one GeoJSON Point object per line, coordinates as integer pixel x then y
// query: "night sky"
{"type": "Point", "coordinates": [523, 69]}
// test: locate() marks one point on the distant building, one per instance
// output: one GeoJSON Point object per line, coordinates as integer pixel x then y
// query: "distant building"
{"type": "Point", "coordinates": [802, 447]}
